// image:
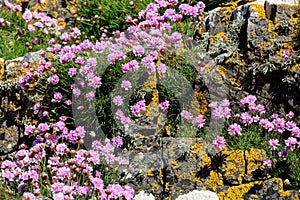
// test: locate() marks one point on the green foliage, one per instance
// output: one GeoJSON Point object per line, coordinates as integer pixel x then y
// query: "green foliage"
{"type": "Point", "coordinates": [105, 16]}
{"type": "Point", "coordinates": [14, 37]}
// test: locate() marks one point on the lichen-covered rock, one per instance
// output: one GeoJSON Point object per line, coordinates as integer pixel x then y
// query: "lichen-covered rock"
{"type": "Point", "coordinates": [254, 43]}
{"type": "Point", "coordinates": [14, 103]}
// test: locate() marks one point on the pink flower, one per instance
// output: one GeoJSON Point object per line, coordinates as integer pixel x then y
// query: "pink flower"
{"type": "Point", "coordinates": [61, 148]}
{"type": "Point", "coordinates": [138, 107]}
{"type": "Point", "coordinates": [186, 115]}
{"type": "Point", "coordinates": [138, 50]}
{"type": "Point", "coordinates": [291, 143]}
{"type": "Point", "coordinates": [117, 141]}
{"type": "Point", "coordinates": [296, 132]}
{"type": "Point", "coordinates": [90, 96]}
{"type": "Point", "coordinates": [199, 121]}
{"type": "Point", "coordinates": [38, 24]}
{"type": "Point", "coordinates": [91, 62]}
{"type": "Point", "coordinates": [248, 100]}
{"type": "Point", "coordinates": [132, 65]}
{"type": "Point", "coordinates": [246, 118]}
{"type": "Point", "coordinates": [126, 85]}
{"type": "Point", "coordinates": [72, 71]}
{"type": "Point", "coordinates": [164, 105]}
{"type": "Point", "coordinates": [27, 15]}
{"type": "Point", "coordinates": [31, 28]}
{"type": "Point", "coordinates": [97, 183]}
{"type": "Point", "coordinates": [118, 100]}
{"type": "Point", "coordinates": [273, 144]}
{"type": "Point", "coordinates": [28, 196]}
{"type": "Point", "coordinates": [234, 129]}
{"type": "Point", "coordinates": [95, 82]}
{"type": "Point", "coordinates": [43, 127]}
{"type": "Point", "coordinates": [57, 187]}
{"type": "Point", "coordinates": [268, 163]}
{"type": "Point", "coordinates": [63, 172]}
{"type": "Point", "coordinates": [29, 130]}
{"type": "Point", "coordinates": [290, 115]}
{"type": "Point", "coordinates": [76, 92]}
{"type": "Point", "coordinates": [162, 68]}
{"type": "Point", "coordinates": [79, 60]}
{"type": "Point", "coordinates": [53, 80]}
{"type": "Point", "coordinates": [219, 143]}
{"type": "Point", "coordinates": [125, 120]}
{"type": "Point", "coordinates": [286, 53]}
{"type": "Point", "coordinates": [68, 102]}
{"type": "Point", "coordinates": [57, 96]}
{"type": "Point", "coordinates": [59, 126]}
{"type": "Point", "coordinates": [176, 38]}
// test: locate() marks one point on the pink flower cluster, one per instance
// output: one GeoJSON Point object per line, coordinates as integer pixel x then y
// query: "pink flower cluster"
{"type": "Point", "coordinates": [272, 125]}
{"type": "Point", "coordinates": [138, 107]}
{"type": "Point", "coordinates": [221, 110]}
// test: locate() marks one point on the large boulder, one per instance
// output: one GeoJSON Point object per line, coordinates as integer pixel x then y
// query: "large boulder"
{"type": "Point", "coordinates": [254, 43]}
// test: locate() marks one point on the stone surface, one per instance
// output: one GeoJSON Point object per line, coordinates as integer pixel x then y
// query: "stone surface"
{"type": "Point", "coordinates": [184, 165]}
{"type": "Point", "coordinates": [247, 40]}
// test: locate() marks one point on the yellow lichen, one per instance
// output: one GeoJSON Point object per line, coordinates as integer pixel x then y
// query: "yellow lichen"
{"type": "Point", "coordinates": [235, 165]}
{"type": "Point", "coordinates": [221, 70]}
{"type": "Point", "coordinates": [259, 9]}
{"type": "Point", "coordinates": [237, 192]}
{"type": "Point", "coordinates": [150, 172]}
{"type": "Point", "coordinates": [215, 180]}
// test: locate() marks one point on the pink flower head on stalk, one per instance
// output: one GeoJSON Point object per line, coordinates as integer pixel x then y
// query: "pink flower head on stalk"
{"type": "Point", "coordinates": [138, 50]}
{"type": "Point", "coordinates": [27, 15]}
{"type": "Point", "coordinates": [219, 143]}
{"type": "Point", "coordinates": [291, 143]}
{"type": "Point", "coordinates": [58, 96]}
{"type": "Point", "coordinates": [29, 130]}
{"type": "Point", "coordinates": [286, 53]}
{"type": "Point", "coordinates": [31, 28]}
{"type": "Point", "coordinates": [53, 80]}
{"type": "Point", "coordinates": [91, 62]}
{"type": "Point", "coordinates": [138, 107]}
{"type": "Point", "coordinates": [90, 96]}
{"type": "Point", "coordinates": [117, 141]}
{"type": "Point", "coordinates": [132, 65]}
{"type": "Point", "coordinates": [186, 115]}
{"type": "Point", "coordinates": [296, 132]}
{"type": "Point", "coordinates": [72, 72]}
{"type": "Point", "coordinates": [290, 115]}
{"type": "Point", "coordinates": [234, 129]}
{"type": "Point", "coordinates": [126, 85]}
{"type": "Point", "coordinates": [248, 100]}
{"type": "Point", "coordinates": [162, 68]}
{"type": "Point", "coordinates": [199, 121]}
{"type": "Point", "coordinates": [28, 196]}
{"type": "Point", "coordinates": [268, 163]}
{"type": "Point", "coordinates": [164, 105]}
{"type": "Point", "coordinates": [118, 100]}
{"type": "Point", "coordinates": [273, 144]}
{"type": "Point", "coordinates": [61, 148]}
